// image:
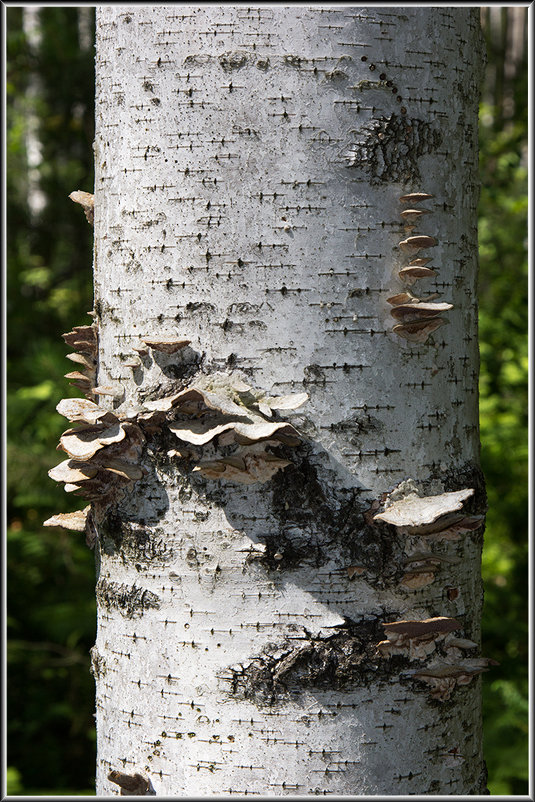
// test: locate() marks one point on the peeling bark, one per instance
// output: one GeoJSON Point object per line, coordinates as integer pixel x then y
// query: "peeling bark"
{"type": "Point", "coordinates": [252, 165]}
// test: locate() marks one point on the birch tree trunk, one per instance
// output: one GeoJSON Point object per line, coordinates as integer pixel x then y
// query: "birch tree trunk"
{"type": "Point", "coordinates": [249, 167]}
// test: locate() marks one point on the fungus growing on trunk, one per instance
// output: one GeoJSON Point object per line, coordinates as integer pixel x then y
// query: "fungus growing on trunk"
{"type": "Point", "coordinates": [418, 331]}
{"type": "Point", "coordinates": [79, 409]}
{"type": "Point", "coordinates": [103, 451]}
{"type": "Point", "coordinates": [86, 201]}
{"type": "Point", "coordinates": [443, 676]}
{"type": "Point", "coordinates": [167, 346]}
{"type": "Point", "coordinates": [79, 380]}
{"type": "Point", "coordinates": [419, 515]}
{"type": "Point", "coordinates": [425, 519]}
{"type": "Point", "coordinates": [413, 272]}
{"type": "Point", "coordinates": [203, 432]}
{"type": "Point", "coordinates": [223, 412]}
{"type": "Point", "coordinates": [419, 318]}
{"type": "Point", "coordinates": [246, 467]}
{"type": "Point", "coordinates": [417, 310]}
{"type": "Point", "coordinates": [83, 442]}
{"type": "Point", "coordinates": [414, 244]}
{"type": "Point", "coordinates": [88, 364]}
{"type": "Point", "coordinates": [413, 214]}
{"type": "Point", "coordinates": [84, 340]}
{"type": "Point", "coordinates": [131, 784]}
{"type": "Point", "coordinates": [408, 298]}
{"type": "Point", "coordinates": [76, 521]}
{"type": "Point", "coordinates": [417, 639]}
{"type": "Point", "coordinates": [421, 568]}
{"type": "Point", "coordinates": [415, 197]}
{"type": "Point", "coordinates": [113, 390]}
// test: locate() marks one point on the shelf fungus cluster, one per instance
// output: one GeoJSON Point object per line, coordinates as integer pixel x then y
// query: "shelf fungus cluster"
{"type": "Point", "coordinates": [103, 454]}
{"type": "Point", "coordinates": [417, 317]}
{"type": "Point", "coordinates": [83, 340]}
{"type": "Point", "coordinates": [425, 520]}
{"type": "Point", "coordinates": [225, 428]}
{"type": "Point", "coordinates": [449, 667]}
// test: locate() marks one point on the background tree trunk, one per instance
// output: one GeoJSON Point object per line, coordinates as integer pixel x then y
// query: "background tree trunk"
{"type": "Point", "coordinates": [249, 165]}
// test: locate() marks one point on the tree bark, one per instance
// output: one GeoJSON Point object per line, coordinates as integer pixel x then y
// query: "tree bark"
{"type": "Point", "coordinates": [249, 167]}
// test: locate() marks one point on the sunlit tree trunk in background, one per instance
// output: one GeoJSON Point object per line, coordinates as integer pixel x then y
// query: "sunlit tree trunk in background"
{"type": "Point", "coordinates": [505, 30]}
{"type": "Point", "coordinates": [249, 169]}
{"type": "Point", "coordinates": [36, 198]}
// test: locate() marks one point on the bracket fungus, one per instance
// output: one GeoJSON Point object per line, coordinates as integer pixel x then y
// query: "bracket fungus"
{"type": "Point", "coordinates": [102, 451]}
{"type": "Point", "coordinates": [79, 379]}
{"type": "Point", "coordinates": [131, 784]}
{"type": "Point", "coordinates": [204, 431]}
{"type": "Point", "coordinates": [415, 244]}
{"type": "Point", "coordinates": [418, 317]}
{"type": "Point", "coordinates": [88, 363]}
{"type": "Point", "coordinates": [415, 197]}
{"type": "Point", "coordinates": [417, 310]}
{"type": "Point", "coordinates": [439, 516]}
{"type": "Point", "coordinates": [78, 409]}
{"type": "Point", "coordinates": [407, 298]}
{"type": "Point", "coordinates": [417, 639]}
{"type": "Point", "coordinates": [255, 465]}
{"type": "Point", "coordinates": [166, 346]}
{"type": "Point", "coordinates": [421, 567]}
{"type": "Point", "coordinates": [443, 676]}
{"type": "Point", "coordinates": [412, 272]}
{"type": "Point", "coordinates": [83, 339]}
{"type": "Point", "coordinates": [83, 442]}
{"type": "Point", "coordinates": [104, 448]}
{"type": "Point", "coordinates": [232, 421]}
{"type": "Point", "coordinates": [419, 330]}
{"type": "Point", "coordinates": [354, 570]}
{"type": "Point", "coordinates": [413, 214]}
{"type": "Point", "coordinates": [86, 201]}
{"type": "Point", "coordinates": [115, 391]}
{"type": "Point", "coordinates": [75, 521]}
{"type": "Point", "coordinates": [420, 261]}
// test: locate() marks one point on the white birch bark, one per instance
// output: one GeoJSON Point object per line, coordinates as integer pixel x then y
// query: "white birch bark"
{"type": "Point", "coordinates": [249, 165]}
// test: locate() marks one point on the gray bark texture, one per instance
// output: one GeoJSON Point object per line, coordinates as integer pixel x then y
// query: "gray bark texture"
{"type": "Point", "coordinates": [274, 442]}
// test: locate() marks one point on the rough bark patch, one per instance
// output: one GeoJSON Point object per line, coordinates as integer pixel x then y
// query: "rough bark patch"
{"type": "Point", "coordinates": [467, 475]}
{"type": "Point", "coordinates": [130, 600]}
{"type": "Point", "coordinates": [135, 543]}
{"type": "Point", "coordinates": [98, 663]}
{"type": "Point", "coordinates": [346, 658]}
{"type": "Point", "coordinates": [392, 147]}
{"type": "Point", "coordinates": [480, 787]}
{"type": "Point", "coordinates": [334, 520]}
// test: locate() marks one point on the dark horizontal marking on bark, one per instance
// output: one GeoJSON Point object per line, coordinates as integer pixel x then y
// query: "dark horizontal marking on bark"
{"type": "Point", "coordinates": [376, 406]}
{"type": "Point", "coordinates": [130, 600]}
{"type": "Point", "coordinates": [371, 332]}
{"type": "Point", "coordinates": [342, 367]}
{"type": "Point", "coordinates": [364, 256]}
{"type": "Point", "coordinates": [345, 331]}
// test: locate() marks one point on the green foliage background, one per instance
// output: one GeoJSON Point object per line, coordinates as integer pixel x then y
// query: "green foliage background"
{"type": "Point", "coordinates": [51, 608]}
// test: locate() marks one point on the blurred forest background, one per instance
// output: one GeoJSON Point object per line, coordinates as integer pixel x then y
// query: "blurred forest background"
{"type": "Point", "coordinates": [50, 576]}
